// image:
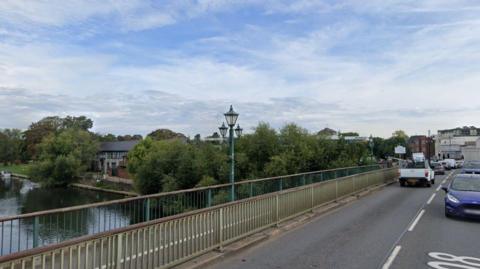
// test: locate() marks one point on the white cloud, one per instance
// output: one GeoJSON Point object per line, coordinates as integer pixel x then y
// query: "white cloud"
{"type": "Point", "coordinates": [367, 72]}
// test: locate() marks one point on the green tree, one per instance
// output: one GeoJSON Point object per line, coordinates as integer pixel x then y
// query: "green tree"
{"type": "Point", "coordinates": [63, 157]}
{"type": "Point", "coordinates": [11, 146]}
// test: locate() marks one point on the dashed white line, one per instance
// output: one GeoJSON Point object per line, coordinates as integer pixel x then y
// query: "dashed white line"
{"type": "Point", "coordinates": [419, 216]}
{"type": "Point", "coordinates": [431, 198]}
{"type": "Point", "coordinates": [438, 188]}
{"type": "Point", "coordinates": [392, 257]}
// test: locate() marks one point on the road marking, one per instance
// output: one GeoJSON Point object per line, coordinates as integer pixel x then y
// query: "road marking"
{"type": "Point", "coordinates": [416, 220]}
{"type": "Point", "coordinates": [431, 198]}
{"type": "Point", "coordinates": [392, 257]}
{"type": "Point", "coordinates": [438, 188]}
{"type": "Point", "coordinates": [445, 260]}
{"type": "Point", "coordinates": [445, 180]}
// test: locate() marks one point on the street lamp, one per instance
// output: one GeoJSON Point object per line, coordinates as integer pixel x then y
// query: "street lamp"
{"type": "Point", "coordinates": [238, 130]}
{"type": "Point", "coordinates": [231, 117]}
{"type": "Point", "coordinates": [371, 144]}
{"type": "Point", "coordinates": [223, 130]}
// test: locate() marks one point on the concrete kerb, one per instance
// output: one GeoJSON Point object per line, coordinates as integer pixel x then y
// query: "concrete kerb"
{"type": "Point", "coordinates": [283, 227]}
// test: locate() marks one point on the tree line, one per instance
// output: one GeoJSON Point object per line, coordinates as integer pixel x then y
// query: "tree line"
{"type": "Point", "coordinates": [62, 149]}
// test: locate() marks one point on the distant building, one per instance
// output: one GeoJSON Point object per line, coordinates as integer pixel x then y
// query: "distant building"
{"type": "Point", "coordinates": [451, 142]}
{"type": "Point", "coordinates": [214, 138]}
{"type": "Point", "coordinates": [112, 157]}
{"type": "Point", "coordinates": [422, 143]}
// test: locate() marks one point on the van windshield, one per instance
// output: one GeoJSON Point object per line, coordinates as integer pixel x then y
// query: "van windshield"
{"type": "Point", "coordinates": [416, 165]}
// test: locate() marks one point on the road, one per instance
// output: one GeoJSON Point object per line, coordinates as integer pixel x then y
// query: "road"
{"type": "Point", "coordinates": [392, 228]}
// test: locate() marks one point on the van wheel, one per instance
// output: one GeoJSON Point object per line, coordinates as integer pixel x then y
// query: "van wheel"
{"type": "Point", "coordinates": [433, 181]}
{"type": "Point", "coordinates": [428, 184]}
{"type": "Point", "coordinates": [402, 183]}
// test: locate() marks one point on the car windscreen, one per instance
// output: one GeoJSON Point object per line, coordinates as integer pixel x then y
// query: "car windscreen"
{"type": "Point", "coordinates": [466, 184]}
{"type": "Point", "coordinates": [473, 165]}
{"type": "Point", "coordinates": [416, 165]}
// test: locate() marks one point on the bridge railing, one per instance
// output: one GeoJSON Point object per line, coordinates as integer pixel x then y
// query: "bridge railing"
{"type": "Point", "coordinates": [28, 231]}
{"type": "Point", "coordinates": [171, 240]}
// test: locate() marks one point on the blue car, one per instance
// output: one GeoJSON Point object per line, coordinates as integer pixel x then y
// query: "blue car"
{"type": "Point", "coordinates": [463, 197]}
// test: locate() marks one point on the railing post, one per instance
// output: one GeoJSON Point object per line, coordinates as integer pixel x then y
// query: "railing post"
{"type": "Point", "coordinates": [335, 174]}
{"type": "Point", "coordinates": [119, 251]}
{"type": "Point", "coordinates": [321, 176]}
{"type": "Point", "coordinates": [353, 182]}
{"type": "Point", "coordinates": [277, 213]}
{"type": "Point", "coordinates": [280, 184]}
{"type": "Point", "coordinates": [147, 209]}
{"type": "Point", "coordinates": [220, 230]}
{"type": "Point", "coordinates": [336, 189]}
{"type": "Point", "coordinates": [36, 224]}
{"type": "Point", "coordinates": [311, 197]}
{"type": "Point", "coordinates": [303, 180]}
{"type": "Point", "coordinates": [209, 198]}
{"type": "Point", "coordinates": [251, 189]}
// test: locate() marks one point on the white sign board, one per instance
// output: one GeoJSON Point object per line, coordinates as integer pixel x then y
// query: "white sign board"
{"type": "Point", "coordinates": [400, 150]}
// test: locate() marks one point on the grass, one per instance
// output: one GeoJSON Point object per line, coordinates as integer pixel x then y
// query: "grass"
{"type": "Point", "coordinates": [21, 169]}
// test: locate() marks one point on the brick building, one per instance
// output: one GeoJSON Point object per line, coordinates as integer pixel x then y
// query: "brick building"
{"type": "Point", "coordinates": [422, 143]}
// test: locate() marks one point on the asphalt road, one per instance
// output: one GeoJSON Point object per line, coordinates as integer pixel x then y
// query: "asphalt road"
{"type": "Point", "coordinates": [392, 228]}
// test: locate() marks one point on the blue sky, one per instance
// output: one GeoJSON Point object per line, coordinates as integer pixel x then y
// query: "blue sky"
{"type": "Point", "coordinates": [134, 66]}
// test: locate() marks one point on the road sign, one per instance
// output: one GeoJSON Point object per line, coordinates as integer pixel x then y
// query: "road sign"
{"type": "Point", "coordinates": [400, 150]}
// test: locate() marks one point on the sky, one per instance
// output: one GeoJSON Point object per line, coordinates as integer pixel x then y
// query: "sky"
{"type": "Point", "coordinates": [133, 66]}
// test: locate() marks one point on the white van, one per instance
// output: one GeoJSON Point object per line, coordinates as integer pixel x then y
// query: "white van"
{"type": "Point", "coordinates": [450, 163]}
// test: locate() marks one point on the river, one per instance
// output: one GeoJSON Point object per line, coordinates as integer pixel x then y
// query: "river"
{"type": "Point", "coordinates": [18, 196]}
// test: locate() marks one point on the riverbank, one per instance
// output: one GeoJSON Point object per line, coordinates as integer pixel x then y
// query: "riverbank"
{"type": "Point", "coordinates": [18, 169]}
{"type": "Point", "coordinates": [93, 188]}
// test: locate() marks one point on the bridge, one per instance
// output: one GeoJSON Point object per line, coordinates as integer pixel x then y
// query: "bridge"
{"type": "Point", "coordinates": [166, 229]}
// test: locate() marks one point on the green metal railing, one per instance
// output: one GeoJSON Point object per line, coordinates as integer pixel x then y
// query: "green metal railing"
{"type": "Point", "coordinates": [166, 242]}
{"type": "Point", "coordinates": [29, 231]}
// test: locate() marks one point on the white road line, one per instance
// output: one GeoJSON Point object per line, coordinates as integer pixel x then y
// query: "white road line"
{"type": "Point", "coordinates": [445, 180]}
{"type": "Point", "coordinates": [416, 220]}
{"type": "Point", "coordinates": [438, 188]}
{"type": "Point", "coordinates": [431, 198]}
{"type": "Point", "coordinates": [392, 257]}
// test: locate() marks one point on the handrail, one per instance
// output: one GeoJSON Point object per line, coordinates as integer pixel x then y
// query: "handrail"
{"type": "Point", "coordinates": [71, 242]}
{"type": "Point", "coordinates": [125, 200]}
{"type": "Point", "coordinates": [36, 229]}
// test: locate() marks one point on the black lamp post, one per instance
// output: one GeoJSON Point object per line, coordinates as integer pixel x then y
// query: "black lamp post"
{"type": "Point", "coordinates": [231, 118]}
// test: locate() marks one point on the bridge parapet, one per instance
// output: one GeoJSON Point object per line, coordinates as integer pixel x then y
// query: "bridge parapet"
{"type": "Point", "coordinates": [174, 239]}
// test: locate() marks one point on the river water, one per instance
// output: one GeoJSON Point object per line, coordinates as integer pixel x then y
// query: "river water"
{"type": "Point", "coordinates": [23, 196]}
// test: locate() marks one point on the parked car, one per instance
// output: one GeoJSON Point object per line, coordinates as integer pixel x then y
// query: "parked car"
{"type": "Point", "coordinates": [463, 197]}
{"type": "Point", "coordinates": [438, 168]}
{"type": "Point", "coordinates": [447, 165]}
{"type": "Point", "coordinates": [451, 163]}
{"type": "Point", "coordinates": [471, 167]}
{"type": "Point", "coordinates": [417, 171]}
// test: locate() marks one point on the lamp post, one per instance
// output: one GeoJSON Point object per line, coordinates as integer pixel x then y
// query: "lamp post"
{"type": "Point", "coordinates": [371, 144]}
{"type": "Point", "coordinates": [231, 118]}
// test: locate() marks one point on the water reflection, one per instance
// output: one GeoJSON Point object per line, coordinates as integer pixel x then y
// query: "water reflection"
{"type": "Point", "coordinates": [23, 196]}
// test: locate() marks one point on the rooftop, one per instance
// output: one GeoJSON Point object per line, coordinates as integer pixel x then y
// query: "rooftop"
{"type": "Point", "coordinates": [118, 145]}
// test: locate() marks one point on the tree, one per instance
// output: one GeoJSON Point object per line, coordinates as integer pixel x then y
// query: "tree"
{"type": "Point", "coordinates": [80, 123]}
{"type": "Point", "coordinates": [38, 131]}
{"type": "Point", "coordinates": [50, 125]}
{"type": "Point", "coordinates": [166, 134]}
{"type": "Point", "coordinates": [11, 145]}
{"type": "Point", "coordinates": [63, 157]}
{"type": "Point", "coordinates": [259, 148]}
{"type": "Point", "coordinates": [400, 134]}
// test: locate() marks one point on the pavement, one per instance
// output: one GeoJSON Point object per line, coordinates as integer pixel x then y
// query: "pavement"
{"type": "Point", "coordinates": [392, 228]}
